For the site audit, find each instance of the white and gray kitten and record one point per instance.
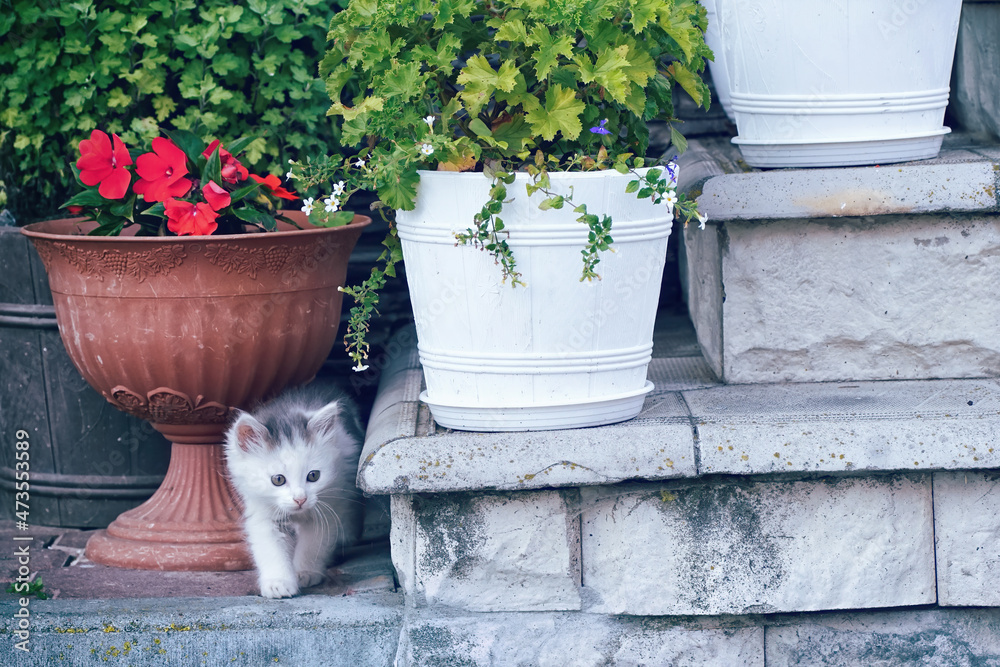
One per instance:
(293, 461)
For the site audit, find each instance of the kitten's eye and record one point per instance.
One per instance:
(312, 476)
(277, 480)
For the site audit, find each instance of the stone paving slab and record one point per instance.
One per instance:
(67, 574)
(966, 526)
(577, 640)
(848, 427)
(932, 637)
(692, 426)
(963, 178)
(341, 631)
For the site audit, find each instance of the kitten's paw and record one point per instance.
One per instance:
(278, 588)
(307, 579)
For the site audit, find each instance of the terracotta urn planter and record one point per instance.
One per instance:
(179, 331)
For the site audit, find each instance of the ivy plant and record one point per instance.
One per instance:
(213, 67)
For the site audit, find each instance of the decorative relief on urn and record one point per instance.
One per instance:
(135, 264)
(279, 260)
(167, 406)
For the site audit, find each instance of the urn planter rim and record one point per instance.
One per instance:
(39, 230)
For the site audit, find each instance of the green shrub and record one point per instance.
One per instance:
(218, 68)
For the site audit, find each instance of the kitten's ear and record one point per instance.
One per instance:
(249, 433)
(325, 419)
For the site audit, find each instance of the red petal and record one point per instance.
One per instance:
(116, 185)
(122, 157)
(93, 176)
(150, 166)
(101, 144)
(216, 196)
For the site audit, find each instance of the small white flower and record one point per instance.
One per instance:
(670, 199)
(290, 161)
(332, 204)
(338, 189)
(359, 163)
(289, 175)
(430, 121)
(307, 205)
(359, 368)
(702, 219)
(426, 149)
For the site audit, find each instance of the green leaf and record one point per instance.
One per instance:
(242, 193)
(480, 80)
(678, 25)
(338, 219)
(188, 142)
(255, 217)
(549, 49)
(89, 197)
(608, 71)
(561, 113)
(632, 186)
(690, 82)
(396, 185)
(678, 140)
(237, 147)
(479, 128)
(514, 133)
(512, 31)
(643, 11)
(107, 229)
(350, 113)
(213, 167)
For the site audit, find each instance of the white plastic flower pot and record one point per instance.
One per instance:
(557, 353)
(818, 83)
(720, 76)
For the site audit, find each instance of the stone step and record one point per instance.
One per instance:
(856, 273)
(311, 630)
(717, 500)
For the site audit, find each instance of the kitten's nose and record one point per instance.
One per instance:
(300, 502)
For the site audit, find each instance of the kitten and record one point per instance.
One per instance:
(293, 461)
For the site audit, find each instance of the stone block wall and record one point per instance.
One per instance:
(894, 569)
(866, 273)
(709, 548)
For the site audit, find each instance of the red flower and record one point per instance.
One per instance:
(232, 170)
(105, 163)
(216, 196)
(273, 183)
(161, 173)
(183, 218)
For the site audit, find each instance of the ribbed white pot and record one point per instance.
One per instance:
(558, 353)
(819, 83)
(720, 76)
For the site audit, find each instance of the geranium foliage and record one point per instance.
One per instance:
(501, 79)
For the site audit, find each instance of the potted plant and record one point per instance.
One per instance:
(516, 129)
(831, 84)
(184, 292)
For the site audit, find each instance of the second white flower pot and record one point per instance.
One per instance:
(558, 353)
(817, 83)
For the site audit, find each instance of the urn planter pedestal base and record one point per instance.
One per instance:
(192, 522)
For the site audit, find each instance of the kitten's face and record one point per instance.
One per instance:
(286, 471)
(291, 476)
